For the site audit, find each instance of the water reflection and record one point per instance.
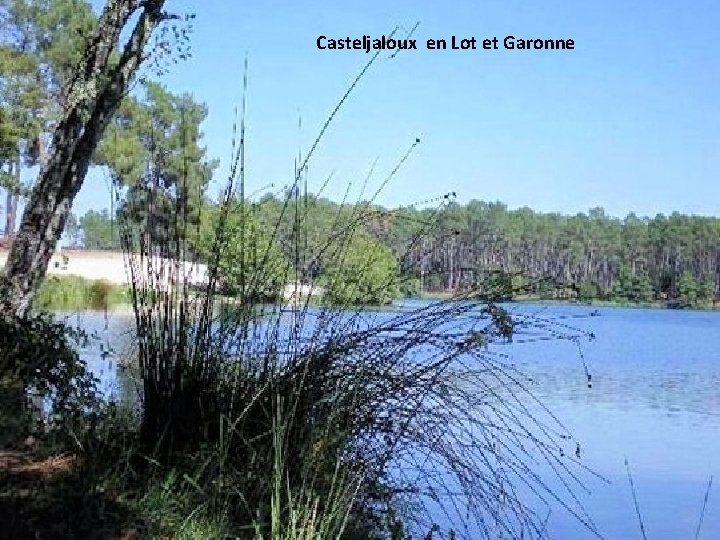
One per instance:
(655, 399)
(111, 345)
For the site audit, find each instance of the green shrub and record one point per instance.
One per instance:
(100, 294)
(38, 357)
(361, 271)
(706, 290)
(76, 293)
(409, 287)
(687, 289)
(589, 291)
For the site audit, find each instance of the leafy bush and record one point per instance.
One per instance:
(706, 290)
(409, 287)
(100, 294)
(632, 287)
(589, 291)
(249, 261)
(38, 358)
(687, 289)
(360, 272)
(74, 293)
(500, 285)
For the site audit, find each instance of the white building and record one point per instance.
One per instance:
(297, 292)
(112, 266)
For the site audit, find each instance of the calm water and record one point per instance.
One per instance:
(655, 400)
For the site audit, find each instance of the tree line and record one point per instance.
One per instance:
(587, 256)
(635, 259)
(66, 72)
(149, 140)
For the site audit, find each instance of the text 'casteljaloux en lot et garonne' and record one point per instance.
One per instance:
(367, 43)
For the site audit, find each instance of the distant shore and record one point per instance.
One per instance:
(117, 299)
(529, 299)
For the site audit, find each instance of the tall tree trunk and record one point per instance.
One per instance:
(9, 198)
(91, 99)
(12, 209)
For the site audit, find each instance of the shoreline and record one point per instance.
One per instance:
(582, 303)
(126, 307)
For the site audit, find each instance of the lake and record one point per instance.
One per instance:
(655, 400)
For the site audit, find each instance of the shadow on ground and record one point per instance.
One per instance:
(46, 498)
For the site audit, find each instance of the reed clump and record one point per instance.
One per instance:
(307, 421)
(313, 421)
(77, 293)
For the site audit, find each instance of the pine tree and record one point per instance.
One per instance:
(687, 289)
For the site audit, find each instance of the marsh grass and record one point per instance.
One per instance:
(77, 293)
(309, 421)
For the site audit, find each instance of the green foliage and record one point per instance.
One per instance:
(409, 287)
(38, 355)
(706, 290)
(9, 135)
(53, 32)
(687, 289)
(545, 289)
(308, 234)
(500, 285)
(40, 43)
(250, 263)
(559, 256)
(154, 148)
(589, 291)
(101, 294)
(361, 272)
(555, 252)
(99, 230)
(630, 287)
(642, 289)
(622, 288)
(75, 293)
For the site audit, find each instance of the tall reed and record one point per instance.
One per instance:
(308, 421)
(77, 293)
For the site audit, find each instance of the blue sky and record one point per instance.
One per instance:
(629, 120)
